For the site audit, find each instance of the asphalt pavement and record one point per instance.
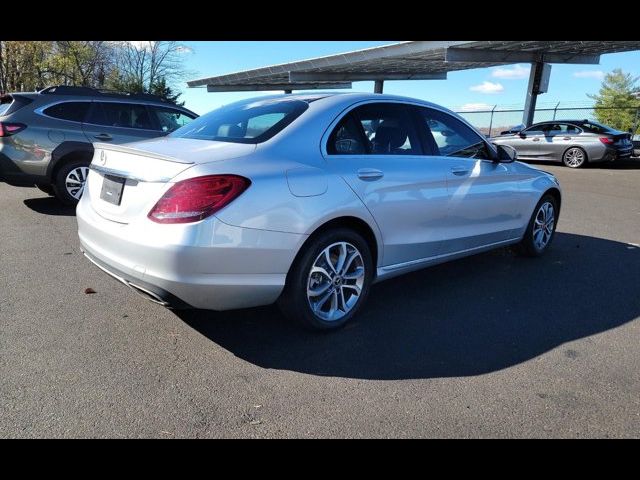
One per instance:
(490, 346)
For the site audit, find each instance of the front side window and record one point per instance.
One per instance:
(252, 122)
(71, 111)
(451, 137)
(535, 130)
(123, 115)
(170, 119)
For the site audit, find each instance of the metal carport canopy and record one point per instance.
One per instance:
(424, 60)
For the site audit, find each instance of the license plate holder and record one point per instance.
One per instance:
(112, 189)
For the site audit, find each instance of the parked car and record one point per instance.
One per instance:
(288, 199)
(572, 142)
(636, 145)
(46, 137)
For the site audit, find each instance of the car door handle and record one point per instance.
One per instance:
(460, 171)
(103, 136)
(535, 139)
(566, 138)
(370, 174)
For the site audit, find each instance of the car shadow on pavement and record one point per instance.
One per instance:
(628, 164)
(472, 316)
(49, 206)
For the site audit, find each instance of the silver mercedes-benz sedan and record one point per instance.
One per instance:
(306, 200)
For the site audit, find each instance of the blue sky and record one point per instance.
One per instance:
(504, 85)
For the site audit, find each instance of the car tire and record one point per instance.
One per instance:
(333, 273)
(69, 181)
(541, 228)
(575, 157)
(48, 189)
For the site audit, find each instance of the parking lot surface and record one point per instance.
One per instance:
(489, 346)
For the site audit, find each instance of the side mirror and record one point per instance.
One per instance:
(506, 154)
(522, 135)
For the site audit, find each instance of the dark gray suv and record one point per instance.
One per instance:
(46, 137)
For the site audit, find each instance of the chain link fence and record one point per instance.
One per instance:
(491, 120)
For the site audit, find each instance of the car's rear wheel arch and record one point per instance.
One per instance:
(68, 152)
(578, 147)
(352, 223)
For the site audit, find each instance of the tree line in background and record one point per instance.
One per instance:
(135, 67)
(156, 68)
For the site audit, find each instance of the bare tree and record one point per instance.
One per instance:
(143, 64)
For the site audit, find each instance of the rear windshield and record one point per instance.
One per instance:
(5, 103)
(597, 128)
(253, 122)
(12, 103)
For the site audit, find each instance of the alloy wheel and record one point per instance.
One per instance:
(543, 225)
(75, 180)
(335, 281)
(574, 157)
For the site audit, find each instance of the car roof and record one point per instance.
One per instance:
(141, 99)
(340, 97)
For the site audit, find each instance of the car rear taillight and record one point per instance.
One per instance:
(197, 198)
(606, 140)
(8, 129)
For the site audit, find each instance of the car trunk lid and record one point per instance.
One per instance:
(125, 181)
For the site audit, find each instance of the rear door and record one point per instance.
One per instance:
(120, 122)
(377, 151)
(557, 138)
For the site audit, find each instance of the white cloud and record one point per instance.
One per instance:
(597, 74)
(140, 44)
(511, 73)
(487, 87)
(471, 107)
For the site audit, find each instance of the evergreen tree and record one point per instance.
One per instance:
(616, 104)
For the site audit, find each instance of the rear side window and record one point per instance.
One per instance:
(452, 138)
(71, 111)
(170, 119)
(347, 138)
(388, 129)
(375, 129)
(123, 115)
(560, 128)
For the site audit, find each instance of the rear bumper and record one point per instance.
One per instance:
(612, 154)
(208, 265)
(10, 173)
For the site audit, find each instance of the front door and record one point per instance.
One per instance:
(482, 207)
(528, 142)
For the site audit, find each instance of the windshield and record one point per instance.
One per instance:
(253, 122)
